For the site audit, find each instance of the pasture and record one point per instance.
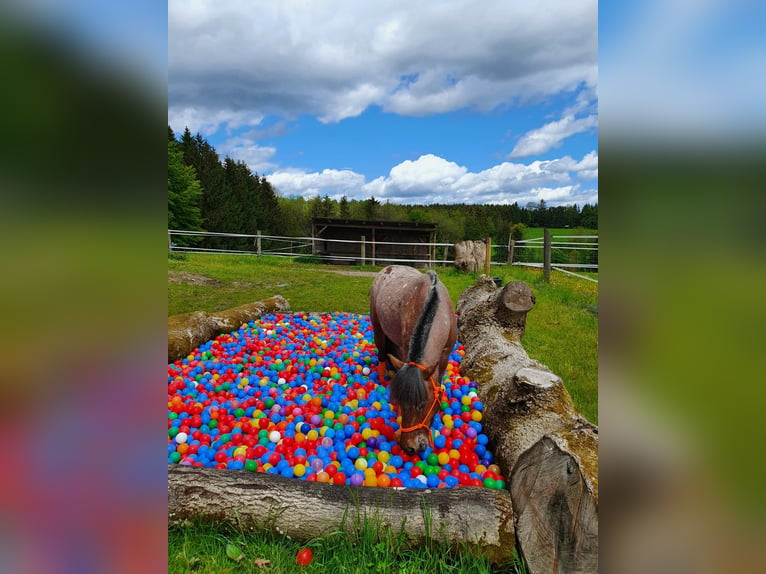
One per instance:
(561, 333)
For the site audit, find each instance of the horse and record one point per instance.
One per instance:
(414, 326)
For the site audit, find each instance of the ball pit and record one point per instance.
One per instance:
(298, 395)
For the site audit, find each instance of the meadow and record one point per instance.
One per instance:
(562, 333)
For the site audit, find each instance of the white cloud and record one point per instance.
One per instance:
(334, 59)
(332, 182)
(256, 157)
(432, 179)
(540, 140)
(207, 121)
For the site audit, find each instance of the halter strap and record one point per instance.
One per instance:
(437, 395)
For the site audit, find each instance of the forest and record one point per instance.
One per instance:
(207, 193)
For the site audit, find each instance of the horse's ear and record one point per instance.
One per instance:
(428, 371)
(395, 362)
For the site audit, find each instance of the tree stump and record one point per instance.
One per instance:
(528, 411)
(479, 517)
(189, 330)
(470, 255)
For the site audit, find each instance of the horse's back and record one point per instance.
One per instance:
(396, 304)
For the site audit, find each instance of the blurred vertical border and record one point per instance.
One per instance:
(682, 185)
(83, 294)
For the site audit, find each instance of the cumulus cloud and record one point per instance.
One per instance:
(332, 182)
(335, 59)
(256, 157)
(432, 179)
(549, 136)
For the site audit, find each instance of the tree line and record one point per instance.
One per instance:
(210, 194)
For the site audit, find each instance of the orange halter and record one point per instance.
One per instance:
(437, 395)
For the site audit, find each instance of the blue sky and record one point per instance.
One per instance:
(448, 102)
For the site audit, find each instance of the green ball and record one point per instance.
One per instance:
(490, 483)
(213, 423)
(172, 431)
(433, 459)
(172, 416)
(251, 465)
(175, 456)
(239, 413)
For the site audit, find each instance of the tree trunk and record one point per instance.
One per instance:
(527, 410)
(190, 330)
(479, 517)
(470, 255)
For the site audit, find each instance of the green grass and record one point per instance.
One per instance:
(562, 329)
(535, 232)
(201, 548)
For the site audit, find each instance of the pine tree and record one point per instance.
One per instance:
(184, 196)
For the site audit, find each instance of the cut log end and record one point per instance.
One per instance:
(556, 505)
(537, 378)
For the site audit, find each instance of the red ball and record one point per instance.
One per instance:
(304, 557)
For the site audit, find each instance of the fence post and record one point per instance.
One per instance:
(446, 254)
(258, 242)
(363, 256)
(547, 255)
(170, 243)
(511, 248)
(487, 256)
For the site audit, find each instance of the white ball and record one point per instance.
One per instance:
(182, 437)
(281, 381)
(366, 371)
(422, 478)
(274, 436)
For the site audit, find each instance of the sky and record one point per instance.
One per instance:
(412, 103)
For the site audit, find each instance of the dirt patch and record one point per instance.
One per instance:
(192, 279)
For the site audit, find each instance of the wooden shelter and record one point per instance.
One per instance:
(373, 242)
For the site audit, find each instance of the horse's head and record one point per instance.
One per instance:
(413, 391)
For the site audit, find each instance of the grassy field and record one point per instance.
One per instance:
(562, 329)
(535, 232)
(363, 549)
(562, 333)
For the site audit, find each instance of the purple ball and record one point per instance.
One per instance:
(357, 479)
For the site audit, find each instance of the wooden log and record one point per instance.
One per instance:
(189, 330)
(478, 517)
(540, 440)
(554, 487)
(470, 255)
(523, 399)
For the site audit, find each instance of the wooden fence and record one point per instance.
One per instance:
(558, 252)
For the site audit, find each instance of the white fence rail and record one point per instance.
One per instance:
(562, 250)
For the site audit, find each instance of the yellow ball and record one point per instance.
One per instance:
(299, 470)
(384, 456)
(476, 415)
(361, 463)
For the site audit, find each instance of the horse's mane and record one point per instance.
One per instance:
(407, 387)
(423, 326)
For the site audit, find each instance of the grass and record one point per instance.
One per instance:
(562, 332)
(562, 329)
(201, 548)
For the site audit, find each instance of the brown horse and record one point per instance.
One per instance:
(414, 326)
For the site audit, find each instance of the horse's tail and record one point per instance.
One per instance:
(423, 326)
